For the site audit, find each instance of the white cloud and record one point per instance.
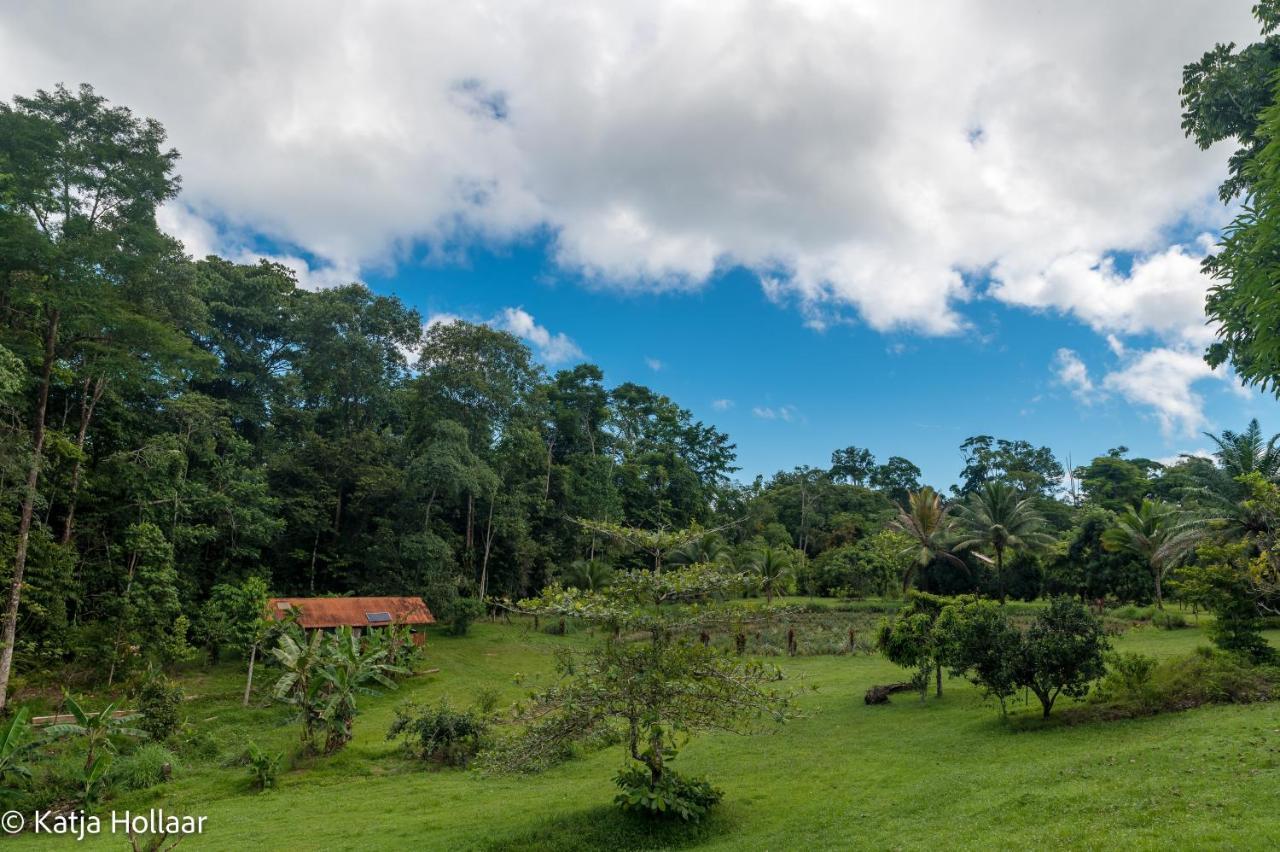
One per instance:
(786, 413)
(1162, 379)
(654, 364)
(442, 318)
(1177, 458)
(1161, 294)
(1073, 374)
(201, 239)
(552, 348)
(864, 159)
(722, 404)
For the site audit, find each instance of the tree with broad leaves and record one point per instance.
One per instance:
(647, 674)
(80, 182)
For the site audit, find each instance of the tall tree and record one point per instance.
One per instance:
(79, 185)
(1157, 533)
(997, 518)
(930, 527)
(852, 464)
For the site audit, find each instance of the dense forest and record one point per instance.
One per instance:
(182, 438)
(173, 427)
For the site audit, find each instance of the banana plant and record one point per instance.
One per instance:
(350, 670)
(99, 730)
(16, 742)
(300, 657)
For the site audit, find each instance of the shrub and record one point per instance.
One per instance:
(487, 700)
(672, 796)
(158, 702)
(1213, 677)
(1128, 679)
(440, 733)
(263, 766)
(1168, 620)
(150, 764)
(462, 612)
(1137, 685)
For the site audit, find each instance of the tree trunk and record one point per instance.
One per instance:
(28, 509)
(1000, 572)
(88, 403)
(1159, 591)
(939, 680)
(315, 547)
(488, 545)
(248, 684)
(546, 489)
(128, 588)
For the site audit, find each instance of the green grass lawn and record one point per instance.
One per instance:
(906, 775)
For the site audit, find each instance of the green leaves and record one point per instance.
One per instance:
(324, 675)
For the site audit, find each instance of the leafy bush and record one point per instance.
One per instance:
(1137, 686)
(672, 796)
(1168, 620)
(263, 766)
(440, 733)
(1214, 677)
(197, 743)
(150, 764)
(158, 702)
(1128, 679)
(462, 612)
(487, 699)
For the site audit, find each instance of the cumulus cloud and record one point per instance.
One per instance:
(1160, 294)
(1162, 379)
(1072, 373)
(653, 364)
(1178, 458)
(722, 404)
(553, 349)
(981, 156)
(986, 138)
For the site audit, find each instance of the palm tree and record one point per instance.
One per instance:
(1245, 452)
(1157, 533)
(929, 524)
(707, 549)
(998, 519)
(772, 566)
(589, 575)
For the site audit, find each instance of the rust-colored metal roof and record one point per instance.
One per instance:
(353, 612)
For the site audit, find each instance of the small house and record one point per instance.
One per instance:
(358, 613)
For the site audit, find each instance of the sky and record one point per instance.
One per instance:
(888, 223)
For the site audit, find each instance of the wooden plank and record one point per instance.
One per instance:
(67, 718)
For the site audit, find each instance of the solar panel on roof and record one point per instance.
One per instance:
(378, 617)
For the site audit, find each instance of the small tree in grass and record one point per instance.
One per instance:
(974, 638)
(651, 678)
(1062, 652)
(238, 614)
(908, 639)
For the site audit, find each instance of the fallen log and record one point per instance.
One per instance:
(879, 694)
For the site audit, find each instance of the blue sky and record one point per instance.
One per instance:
(738, 360)
(851, 222)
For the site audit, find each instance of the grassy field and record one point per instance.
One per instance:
(902, 776)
